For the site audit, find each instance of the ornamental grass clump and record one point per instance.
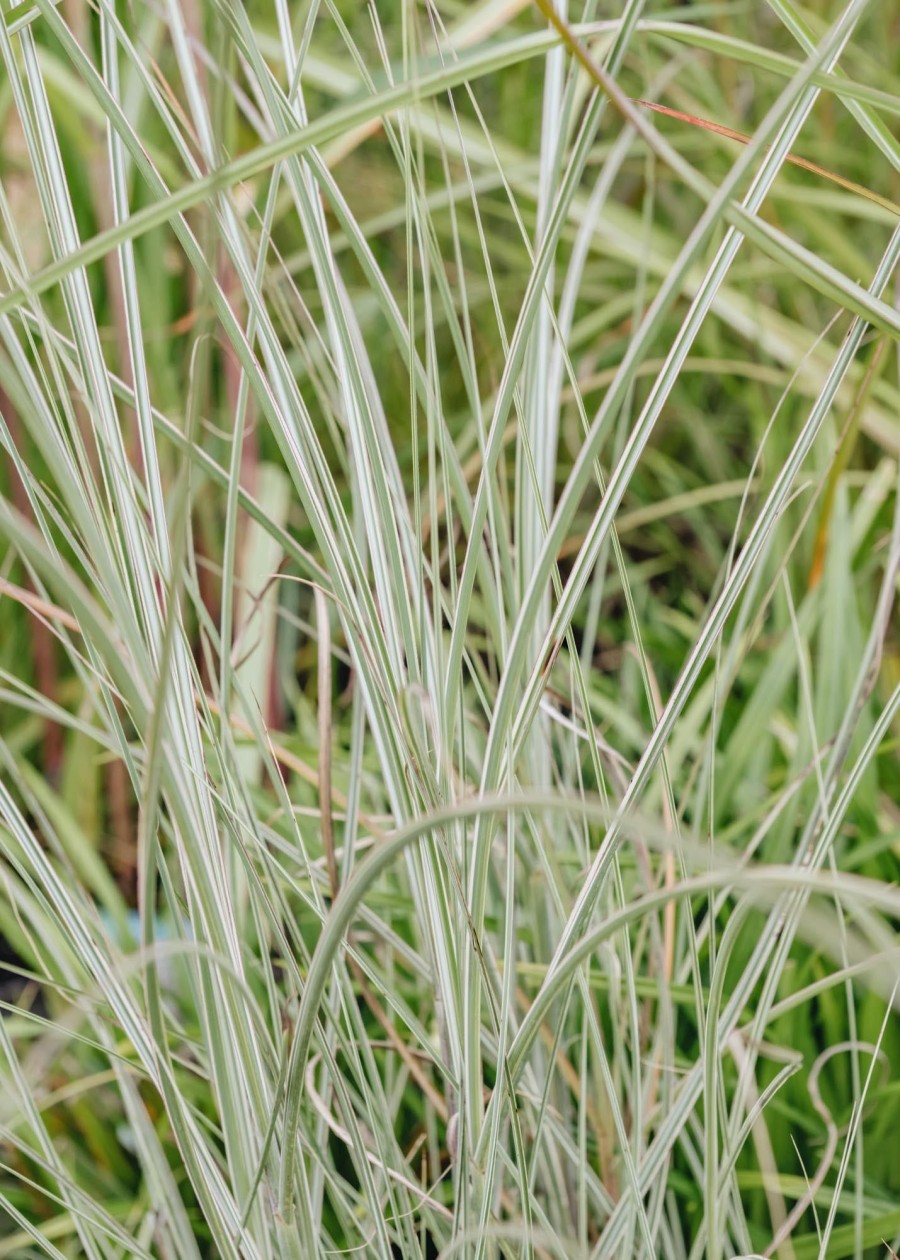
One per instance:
(449, 540)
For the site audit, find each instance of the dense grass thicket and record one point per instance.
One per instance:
(449, 671)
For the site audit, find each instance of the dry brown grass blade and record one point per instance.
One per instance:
(622, 104)
(841, 459)
(795, 160)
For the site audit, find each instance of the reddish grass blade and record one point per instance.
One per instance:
(795, 160)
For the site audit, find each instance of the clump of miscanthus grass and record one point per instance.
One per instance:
(449, 540)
